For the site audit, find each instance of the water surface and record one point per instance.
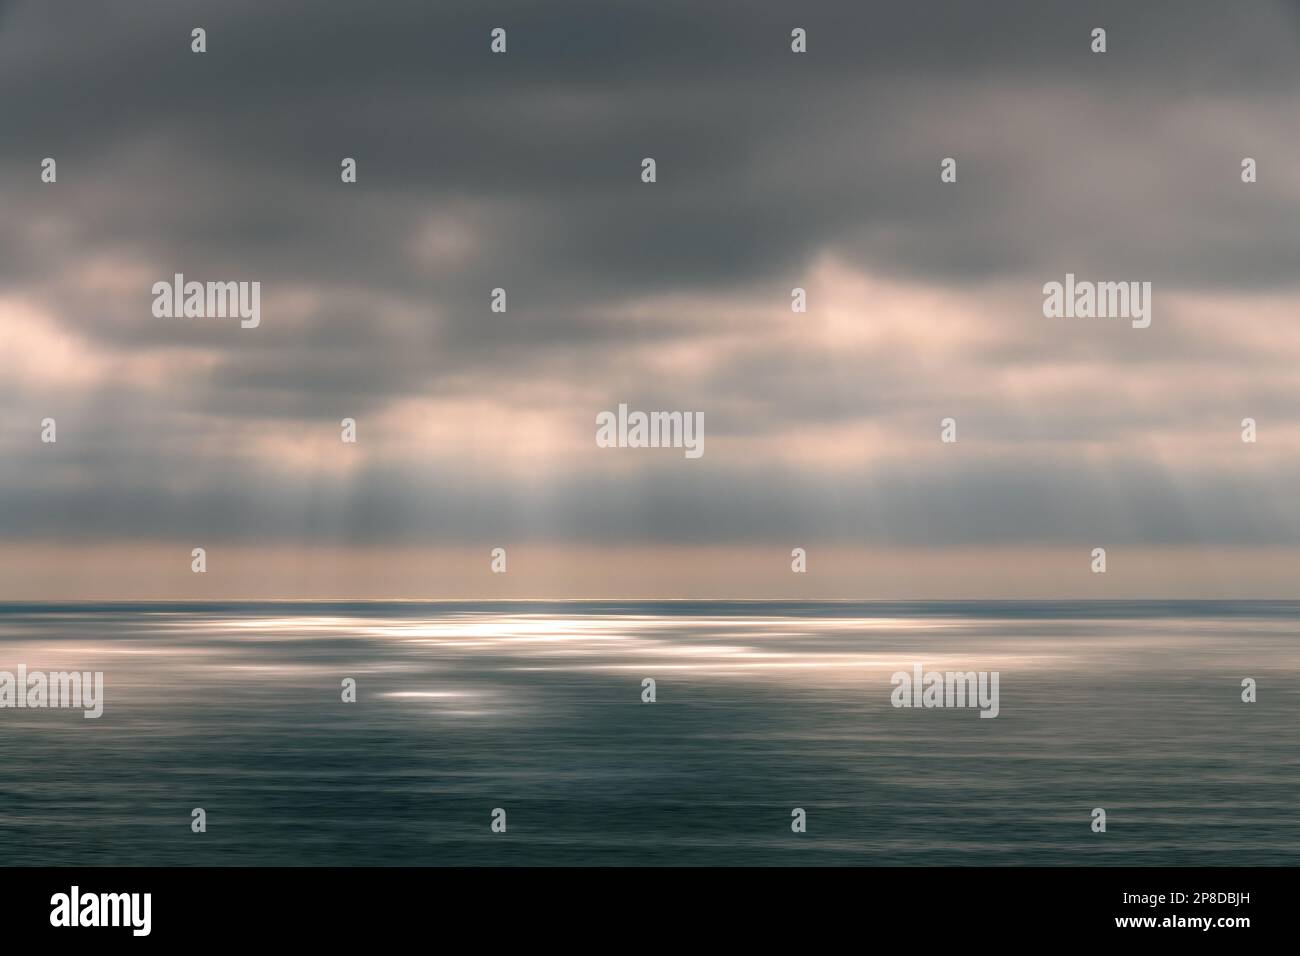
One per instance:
(761, 707)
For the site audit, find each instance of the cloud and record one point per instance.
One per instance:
(775, 171)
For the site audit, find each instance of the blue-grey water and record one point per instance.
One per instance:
(761, 707)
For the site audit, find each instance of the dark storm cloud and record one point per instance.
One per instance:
(523, 172)
(765, 157)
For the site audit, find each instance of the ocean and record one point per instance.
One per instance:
(760, 709)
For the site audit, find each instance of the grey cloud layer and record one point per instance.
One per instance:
(521, 171)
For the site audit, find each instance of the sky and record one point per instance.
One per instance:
(774, 170)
